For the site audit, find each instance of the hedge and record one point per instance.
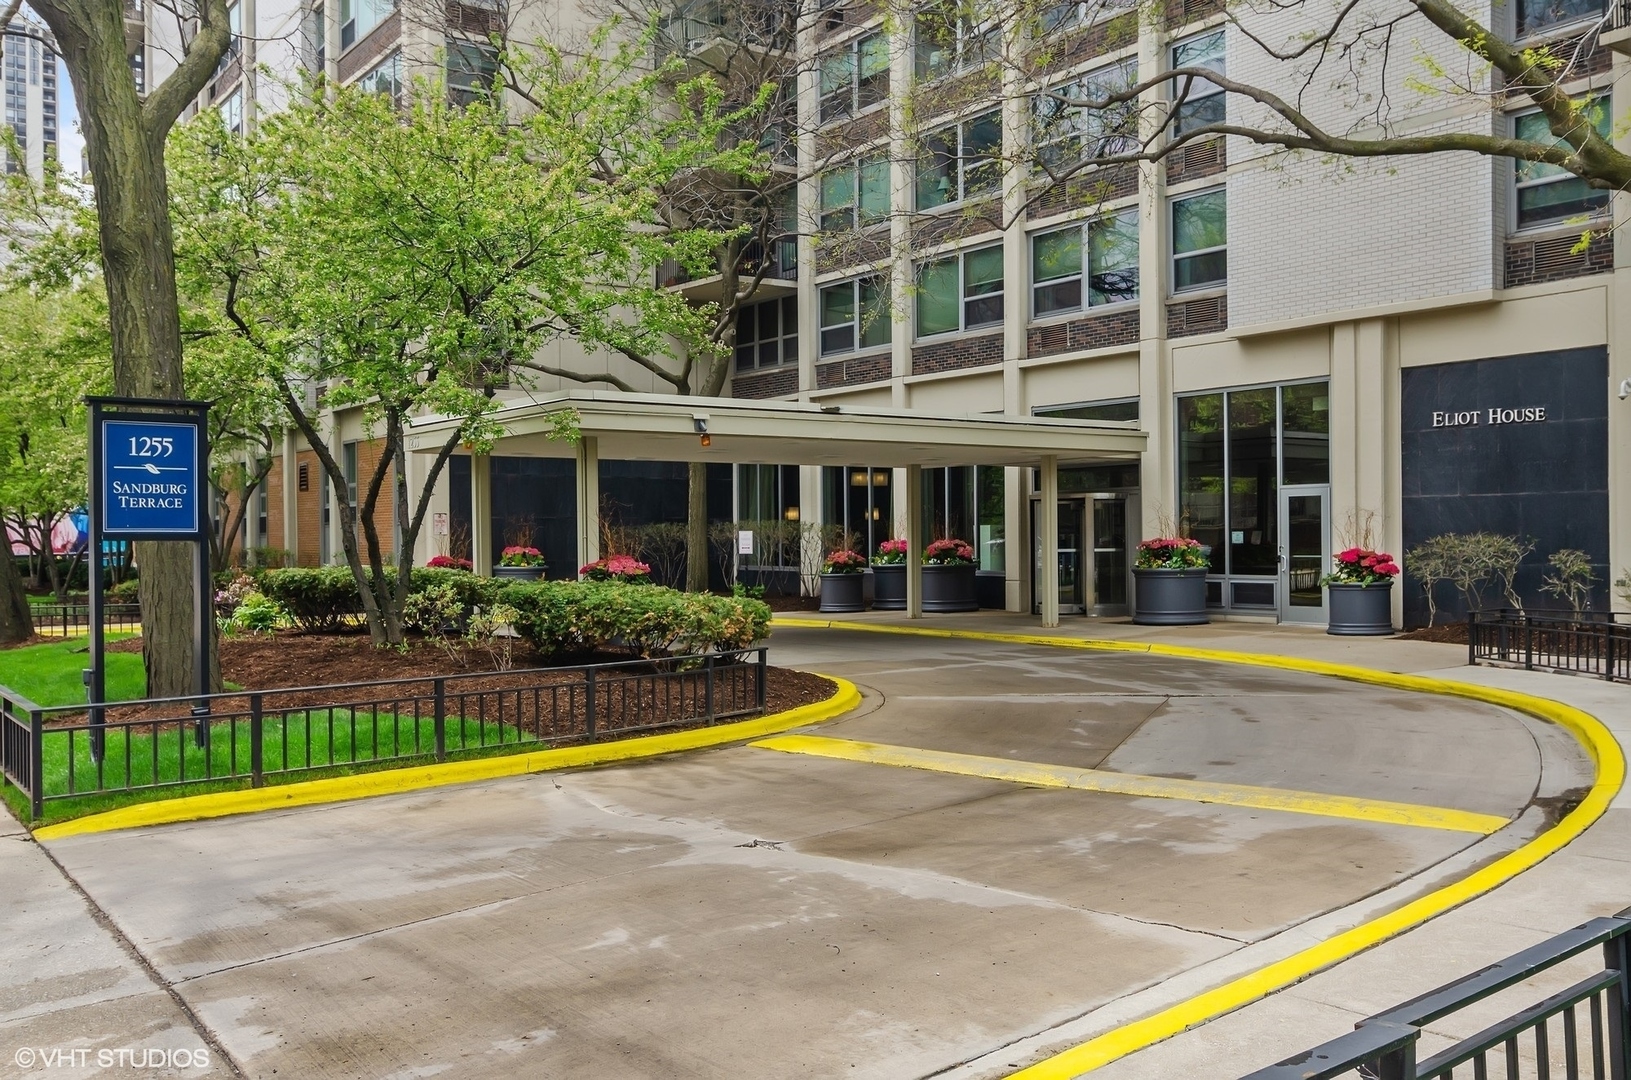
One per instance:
(575, 618)
(324, 599)
(558, 618)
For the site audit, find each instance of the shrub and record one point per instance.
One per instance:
(624, 568)
(575, 618)
(126, 592)
(949, 552)
(447, 562)
(890, 553)
(1571, 578)
(257, 614)
(320, 599)
(844, 562)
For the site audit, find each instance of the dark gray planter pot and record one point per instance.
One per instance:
(519, 573)
(949, 588)
(889, 588)
(1164, 597)
(843, 592)
(1359, 610)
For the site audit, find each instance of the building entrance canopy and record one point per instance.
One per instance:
(660, 427)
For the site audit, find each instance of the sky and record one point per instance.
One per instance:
(70, 143)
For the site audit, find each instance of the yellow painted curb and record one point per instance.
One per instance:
(396, 781)
(1041, 774)
(1598, 742)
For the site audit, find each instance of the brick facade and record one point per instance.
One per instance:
(1205, 315)
(1553, 258)
(1095, 332)
(380, 41)
(840, 251)
(274, 506)
(1197, 160)
(958, 354)
(780, 382)
(1181, 12)
(368, 459)
(308, 509)
(1090, 188)
(843, 15)
(853, 371)
(955, 225)
(1080, 46)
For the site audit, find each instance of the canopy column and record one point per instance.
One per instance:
(914, 541)
(481, 514)
(1048, 573)
(588, 488)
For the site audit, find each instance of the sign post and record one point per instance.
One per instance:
(148, 482)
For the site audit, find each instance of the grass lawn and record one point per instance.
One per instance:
(50, 674)
(331, 742)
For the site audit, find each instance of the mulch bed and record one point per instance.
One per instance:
(288, 660)
(1449, 634)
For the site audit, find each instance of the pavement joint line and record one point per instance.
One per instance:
(1593, 736)
(1074, 778)
(846, 696)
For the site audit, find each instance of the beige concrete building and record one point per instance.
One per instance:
(1424, 345)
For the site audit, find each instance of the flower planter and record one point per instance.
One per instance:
(889, 587)
(949, 588)
(1163, 597)
(1360, 610)
(519, 573)
(843, 592)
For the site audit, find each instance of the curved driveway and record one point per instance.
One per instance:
(752, 913)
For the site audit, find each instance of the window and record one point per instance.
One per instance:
(960, 162)
(232, 112)
(348, 465)
(385, 78)
(1200, 238)
(855, 315)
(767, 334)
(317, 38)
(1066, 134)
(1536, 16)
(767, 504)
(471, 70)
(950, 40)
(855, 77)
(1546, 193)
(358, 17)
(856, 498)
(1197, 102)
(960, 292)
(1235, 449)
(1111, 245)
(855, 195)
(966, 502)
(1120, 409)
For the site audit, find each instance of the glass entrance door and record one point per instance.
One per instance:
(1110, 555)
(1305, 551)
(1073, 552)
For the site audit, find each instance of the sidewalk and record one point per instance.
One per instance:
(1588, 879)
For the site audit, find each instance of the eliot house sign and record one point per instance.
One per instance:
(1534, 414)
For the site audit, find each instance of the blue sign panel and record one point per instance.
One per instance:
(151, 483)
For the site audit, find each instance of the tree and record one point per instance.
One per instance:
(125, 135)
(1333, 86)
(481, 233)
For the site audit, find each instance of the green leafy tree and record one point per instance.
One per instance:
(125, 132)
(405, 256)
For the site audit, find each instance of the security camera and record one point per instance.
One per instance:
(1625, 389)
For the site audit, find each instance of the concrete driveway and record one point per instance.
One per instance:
(750, 912)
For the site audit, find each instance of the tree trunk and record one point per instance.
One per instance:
(124, 142)
(16, 623)
(696, 530)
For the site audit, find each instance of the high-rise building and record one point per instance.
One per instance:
(29, 69)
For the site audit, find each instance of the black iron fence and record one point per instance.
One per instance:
(73, 751)
(1578, 1032)
(73, 620)
(1590, 643)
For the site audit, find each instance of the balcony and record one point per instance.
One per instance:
(705, 33)
(1616, 33)
(781, 276)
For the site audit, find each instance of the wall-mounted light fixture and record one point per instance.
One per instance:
(699, 421)
(1625, 389)
(791, 513)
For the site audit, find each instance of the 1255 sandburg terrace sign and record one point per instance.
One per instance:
(150, 482)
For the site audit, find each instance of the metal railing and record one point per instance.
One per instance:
(71, 620)
(1591, 643)
(72, 751)
(1546, 1040)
